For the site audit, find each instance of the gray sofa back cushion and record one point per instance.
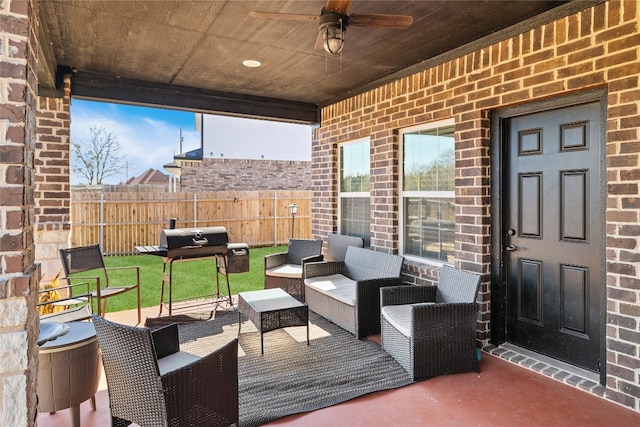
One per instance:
(456, 286)
(337, 245)
(367, 264)
(302, 248)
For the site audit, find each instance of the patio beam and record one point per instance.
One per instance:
(93, 86)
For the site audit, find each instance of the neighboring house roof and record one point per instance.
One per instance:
(150, 176)
(189, 155)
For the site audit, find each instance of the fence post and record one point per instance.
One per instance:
(275, 218)
(101, 238)
(195, 210)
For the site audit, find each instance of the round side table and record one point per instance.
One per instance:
(69, 371)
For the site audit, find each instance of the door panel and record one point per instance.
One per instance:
(553, 257)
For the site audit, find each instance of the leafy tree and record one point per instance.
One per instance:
(98, 156)
(438, 175)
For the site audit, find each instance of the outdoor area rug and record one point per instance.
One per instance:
(291, 377)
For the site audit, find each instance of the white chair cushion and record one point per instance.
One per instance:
(336, 286)
(175, 361)
(290, 271)
(399, 316)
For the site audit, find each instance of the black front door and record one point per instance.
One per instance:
(554, 231)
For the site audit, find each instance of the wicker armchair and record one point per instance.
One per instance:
(152, 383)
(284, 269)
(431, 330)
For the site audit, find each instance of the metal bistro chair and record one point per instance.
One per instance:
(68, 303)
(431, 330)
(89, 259)
(154, 384)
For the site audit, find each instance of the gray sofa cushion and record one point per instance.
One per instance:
(335, 286)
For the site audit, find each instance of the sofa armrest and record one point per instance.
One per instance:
(315, 269)
(407, 294)
(165, 340)
(368, 303)
(274, 260)
(313, 258)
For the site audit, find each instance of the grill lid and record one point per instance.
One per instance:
(194, 237)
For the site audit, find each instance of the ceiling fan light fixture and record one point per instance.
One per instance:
(332, 27)
(333, 39)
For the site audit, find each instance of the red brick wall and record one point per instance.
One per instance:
(595, 48)
(52, 184)
(53, 172)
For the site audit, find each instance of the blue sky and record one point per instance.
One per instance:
(148, 137)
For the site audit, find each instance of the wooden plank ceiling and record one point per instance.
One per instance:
(189, 54)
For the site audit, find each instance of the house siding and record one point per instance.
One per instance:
(596, 48)
(245, 175)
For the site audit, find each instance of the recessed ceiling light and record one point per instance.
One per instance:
(251, 63)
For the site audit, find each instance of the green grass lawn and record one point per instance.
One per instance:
(190, 278)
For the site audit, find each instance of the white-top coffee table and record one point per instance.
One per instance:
(272, 309)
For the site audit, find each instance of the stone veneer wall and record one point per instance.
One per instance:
(19, 274)
(242, 175)
(598, 47)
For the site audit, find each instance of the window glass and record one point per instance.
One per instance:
(355, 209)
(354, 167)
(355, 217)
(428, 158)
(428, 185)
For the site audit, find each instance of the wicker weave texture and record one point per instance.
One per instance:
(300, 251)
(443, 335)
(371, 271)
(341, 314)
(202, 393)
(292, 286)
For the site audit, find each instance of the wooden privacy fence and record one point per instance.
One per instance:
(121, 221)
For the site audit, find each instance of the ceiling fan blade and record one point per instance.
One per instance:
(339, 6)
(388, 21)
(286, 16)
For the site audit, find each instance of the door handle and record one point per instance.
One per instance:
(511, 248)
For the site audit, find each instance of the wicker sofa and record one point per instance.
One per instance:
(348, 292)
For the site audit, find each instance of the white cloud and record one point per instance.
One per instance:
(145, 141)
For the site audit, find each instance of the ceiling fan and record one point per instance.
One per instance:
(334, 19)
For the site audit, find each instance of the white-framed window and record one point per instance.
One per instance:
(353, 195)
(427, 192)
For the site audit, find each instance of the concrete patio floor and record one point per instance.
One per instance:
(502, 394)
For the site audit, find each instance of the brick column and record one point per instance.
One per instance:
(19, 275)
(384, 190)
(52, 185)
